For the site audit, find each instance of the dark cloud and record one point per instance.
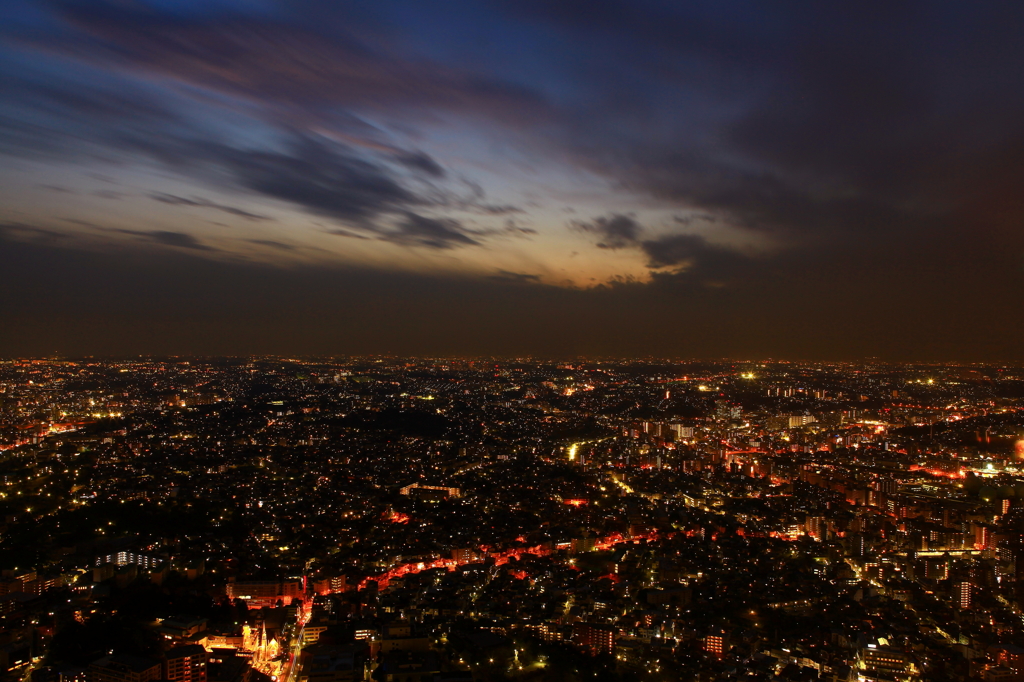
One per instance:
(84, 223)
(811, 124)
(356, 187)
(688, 220)
(324, 180)
(806, 123)
(206, 203)
(497, 209)
(319, 176)
(355, 184)
(434, 233)
(674, 250)
(58, 116)
(19, 231)
(510, 229)
(346, 233)
(328, 179)
(521, 277)
(421, 162)
(285, 63)
(476, 201)
(518, 230)
(179, 239)
(96, 103)
(280, 246)
(676, 254)
(692, 256)
(878, 150)
(616, 231)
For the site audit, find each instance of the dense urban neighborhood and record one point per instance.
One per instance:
(266, 519)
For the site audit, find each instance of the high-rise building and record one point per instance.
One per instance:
(259, 593)
(126, 558)
(716, 644)
(962, 594)
(681, 431)
(725, 410)
(186, 664)
(816, 526)
(123, 668)
(594, 637)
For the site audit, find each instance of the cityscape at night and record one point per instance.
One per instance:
(511, 341)
(385, 518)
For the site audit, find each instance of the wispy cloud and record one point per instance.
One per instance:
(199, 202)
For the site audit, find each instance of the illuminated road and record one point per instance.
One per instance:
(622, 484)
(293, 657)
(500, 558)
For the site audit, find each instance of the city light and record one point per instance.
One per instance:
(678, 531)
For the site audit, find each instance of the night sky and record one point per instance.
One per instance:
(798, 180)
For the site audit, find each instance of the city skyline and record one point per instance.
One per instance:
(617, 179)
